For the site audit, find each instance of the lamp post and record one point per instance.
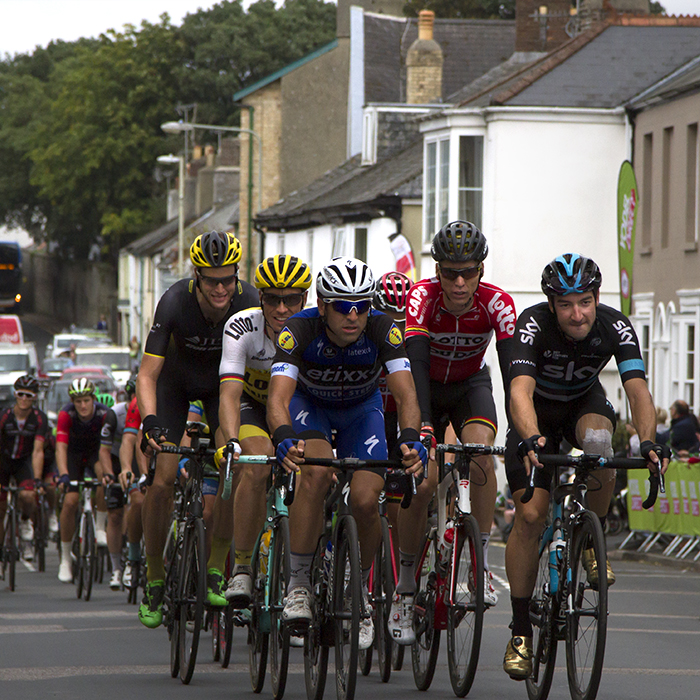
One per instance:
(180, 160)
(180, 127)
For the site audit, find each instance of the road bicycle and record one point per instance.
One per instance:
(84, 545)
(450, 576)
(336, 586)
(565, 605)
(11, 545)
(41, 529)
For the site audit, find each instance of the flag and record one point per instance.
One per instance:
(401, 249)
(627, 207)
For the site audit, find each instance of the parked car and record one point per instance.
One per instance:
(56, 395)
(53, 367)
(16, 359)
(116, 357)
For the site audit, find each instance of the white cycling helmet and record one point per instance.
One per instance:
(81, 387)
(345, 278)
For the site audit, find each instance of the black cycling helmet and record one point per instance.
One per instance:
(459, 241)
(215, 249)
(27, 383)
(570, 274)
(130, 387)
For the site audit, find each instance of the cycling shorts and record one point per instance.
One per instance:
(253, 419)
(21, 469)
(81, 465)
(557, 421)
(359, 429)
(115, 497)
(463, 402)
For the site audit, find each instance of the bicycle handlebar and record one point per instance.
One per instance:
(471, 449)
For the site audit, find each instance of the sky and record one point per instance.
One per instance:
(24, 24)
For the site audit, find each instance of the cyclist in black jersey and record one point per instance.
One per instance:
(560, 348)
(23, 429)
(180, 364)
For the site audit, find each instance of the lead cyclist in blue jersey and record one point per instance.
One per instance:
(325, 378)
(560, 348)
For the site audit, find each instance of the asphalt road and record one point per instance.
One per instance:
(53, 646)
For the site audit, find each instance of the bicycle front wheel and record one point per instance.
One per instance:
(279, 632)
(424, 651)
(315, 641)
(89, 557)
(347, 608)
(259, 626)
(193, 589)
(382, 591)
(544, 629)
(587, 618)
(41, 534)
(465, 612)
(12, 548)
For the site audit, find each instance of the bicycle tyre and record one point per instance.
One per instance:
(347, 607)
(90, 557)
(424, 651)
(40, 535)
(365, 659)
(315, 644)
(586, 621)
(225, 636)
(172, 610)
(79, 561)
(397, 654)
(543, 612)
(193, 590)
(465, 614)
(13, 550)
(258, 628)
(383, 590)
(278, 584)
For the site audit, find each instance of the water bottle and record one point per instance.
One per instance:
(446, 543)
(265, 550)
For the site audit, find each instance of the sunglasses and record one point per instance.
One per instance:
(346, 306)
(213, 282)
(466, 273)
(25, 395)
(274, 300)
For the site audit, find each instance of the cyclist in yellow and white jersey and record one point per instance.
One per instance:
(248, 349)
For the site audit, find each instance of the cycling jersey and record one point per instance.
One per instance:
(132, 422)
(113, 428)
(564, 369)
(17, 441)
(333, 376)
(82, 437)
(247, 353)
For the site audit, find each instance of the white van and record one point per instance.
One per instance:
(116, 357)
(16, 360)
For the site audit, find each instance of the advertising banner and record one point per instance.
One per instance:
(627, 201)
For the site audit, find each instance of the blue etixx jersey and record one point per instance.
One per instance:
(333, 376)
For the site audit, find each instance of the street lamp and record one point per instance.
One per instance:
(180, 160)
(181, 127)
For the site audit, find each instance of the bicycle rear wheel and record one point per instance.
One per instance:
(193, 589)
(225, 635)
(544, 631)
(41, 533)
(89, 557)
(587, 619)
(347, 608)
(465, 613)
(259, 626)
(315, 643)
(397, 653)
(279, 632)
(424, 651)
(11, 546)
(382, 591)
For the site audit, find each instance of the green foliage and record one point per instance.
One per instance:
(656, 8)
(463, 9)
(80, 122)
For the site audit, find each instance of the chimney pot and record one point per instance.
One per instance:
(426, 19)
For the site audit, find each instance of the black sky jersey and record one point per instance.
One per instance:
(16, 442)
(564, 369)
(182, 335)
(335, 376)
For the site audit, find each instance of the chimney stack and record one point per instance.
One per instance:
(424, 64)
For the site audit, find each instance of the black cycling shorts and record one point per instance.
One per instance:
(81, 465)
(21, 469)
(557, 421)
(253, 419)
(459, 403)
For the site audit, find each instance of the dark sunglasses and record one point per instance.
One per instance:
(346, 306)
(466, 273)
(213, 282)
(274, 300)
(25, 395)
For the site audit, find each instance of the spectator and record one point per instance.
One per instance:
(661, 427)
(683, 434)
(134, 350)
(102, 323)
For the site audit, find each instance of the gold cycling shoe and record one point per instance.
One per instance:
(591, 567)
(517, 662)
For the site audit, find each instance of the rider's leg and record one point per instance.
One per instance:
(594, 434)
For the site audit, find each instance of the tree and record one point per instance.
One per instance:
(463, 9)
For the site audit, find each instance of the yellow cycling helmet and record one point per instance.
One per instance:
(282, 272)
(215, 249)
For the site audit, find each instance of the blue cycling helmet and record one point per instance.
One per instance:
(570, 274)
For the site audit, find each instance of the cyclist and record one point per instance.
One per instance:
(450, 321)
(561, 347)
(78, 430)
(180, 364)
(111, 438)
(132, 464)
(246, 359)
(325, 377)
(23, 430)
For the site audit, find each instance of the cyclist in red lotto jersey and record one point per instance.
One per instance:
(450, 321)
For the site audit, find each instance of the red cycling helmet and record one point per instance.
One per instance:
(391, 292)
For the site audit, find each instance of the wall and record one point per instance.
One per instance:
(70, 291)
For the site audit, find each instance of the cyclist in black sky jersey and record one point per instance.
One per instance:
(560, 348)
(181, 364)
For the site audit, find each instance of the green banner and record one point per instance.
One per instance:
(677, 512)
(627, 201)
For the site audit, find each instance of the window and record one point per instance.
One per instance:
(361, 244)
(647, 190)
(338, 242)
(684, 362)
(644, 342)
(430, 171)
(280, 244)
(666, 186)
(437, 187)
(691, 188)
(309, 247)
(471, 167)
